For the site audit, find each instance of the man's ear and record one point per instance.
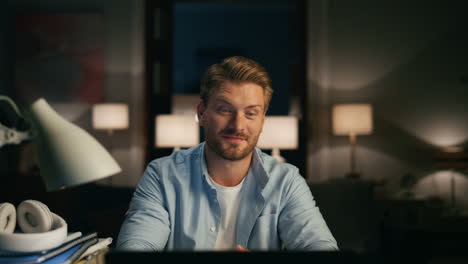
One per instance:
(201, 108)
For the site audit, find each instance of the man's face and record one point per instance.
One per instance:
(233, 119)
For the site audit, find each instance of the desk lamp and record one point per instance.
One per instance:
(176, 131)
(68, 155)
(352, 120)
(279, 132)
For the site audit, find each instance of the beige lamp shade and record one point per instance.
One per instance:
(279, 132)
(176, 131)
(68, 155)
(110, 116)
(352, 119)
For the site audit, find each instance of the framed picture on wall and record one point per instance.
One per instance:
(60, 57)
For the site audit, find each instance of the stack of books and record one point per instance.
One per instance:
(76, 248)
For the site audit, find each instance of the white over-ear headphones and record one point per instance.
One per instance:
(33, 217)
(41, 229)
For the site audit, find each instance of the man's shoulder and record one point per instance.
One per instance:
(180, 157)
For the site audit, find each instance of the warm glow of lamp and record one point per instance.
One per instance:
(176, 131)
(110, 116)
(279, 132)
(352, 120)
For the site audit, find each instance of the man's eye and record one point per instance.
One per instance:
(251, 114)
(224, 111)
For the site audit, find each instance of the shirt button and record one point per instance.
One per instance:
(212, 229)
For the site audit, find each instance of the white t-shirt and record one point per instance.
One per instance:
(229, 199)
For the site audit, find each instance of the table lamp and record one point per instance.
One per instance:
(68, 155)
(453, 159)
(110, 117)
(176, 131)
(279, 132)
(352, 120)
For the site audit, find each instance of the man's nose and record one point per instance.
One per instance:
(238, 122)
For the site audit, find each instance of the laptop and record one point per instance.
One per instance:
(263, 257)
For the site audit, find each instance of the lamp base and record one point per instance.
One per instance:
(353, 175)
(275, 153)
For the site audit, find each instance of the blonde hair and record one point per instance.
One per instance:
(236, 69)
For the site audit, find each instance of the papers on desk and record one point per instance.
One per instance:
(76, 247)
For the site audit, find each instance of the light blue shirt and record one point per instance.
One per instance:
(175, 207)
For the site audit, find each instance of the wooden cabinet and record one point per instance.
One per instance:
(350, 212)
(420, 228)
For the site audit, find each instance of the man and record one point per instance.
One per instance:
(224, 193)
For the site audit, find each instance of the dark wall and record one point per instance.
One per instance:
(5, 68)
(205, 33)
(270, 32)
(408, 59)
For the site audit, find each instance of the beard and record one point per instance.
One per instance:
(232, 151)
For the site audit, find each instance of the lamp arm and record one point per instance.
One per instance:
(12, 103)
(11, 135)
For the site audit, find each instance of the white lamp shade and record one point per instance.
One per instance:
(279, 132)
(176, 131)
(67, 154)
(110, 116)
(352, 119)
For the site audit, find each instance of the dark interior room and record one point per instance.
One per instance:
(396, 187)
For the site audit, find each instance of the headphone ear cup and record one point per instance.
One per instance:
(7, 218)
(34, 217)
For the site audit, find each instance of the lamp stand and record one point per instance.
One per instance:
(275, 153)
(352, 174)
(454, 210)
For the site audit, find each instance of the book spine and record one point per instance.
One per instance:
(66, 247)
